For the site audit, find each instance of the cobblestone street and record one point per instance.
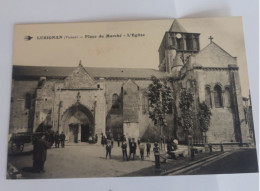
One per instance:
(64, 162)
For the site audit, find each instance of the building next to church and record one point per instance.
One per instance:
(84, 101)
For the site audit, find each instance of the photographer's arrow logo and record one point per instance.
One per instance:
(27, 38)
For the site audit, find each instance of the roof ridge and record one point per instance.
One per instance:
(223, 49)
(217, 46)
(85, 67)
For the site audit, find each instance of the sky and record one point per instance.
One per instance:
(89, 43)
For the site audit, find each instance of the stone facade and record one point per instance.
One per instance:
(83, 102)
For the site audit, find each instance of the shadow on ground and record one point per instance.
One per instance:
(21, 154)
(28, 169)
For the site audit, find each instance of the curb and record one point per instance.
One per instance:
(184, 167)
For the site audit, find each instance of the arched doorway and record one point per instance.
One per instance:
(78, 123)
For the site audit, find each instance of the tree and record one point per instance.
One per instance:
(187, 114)
(160, 99)
(204, 116)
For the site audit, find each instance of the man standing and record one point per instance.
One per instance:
(62, 139)
(57, 140)
(103, 140)
(118, 140)
(156, 151)
(123, 138)
(124, 150)
(141, 148)
(39, 154)
(132, 148)
(96, 138)
(148, 148)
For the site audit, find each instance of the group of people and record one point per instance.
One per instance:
(93, 139)
(59, 139)
(119, 139)
(132, 147)
(40, 148)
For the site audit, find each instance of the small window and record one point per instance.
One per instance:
(245, 113)
(98, 86)
(218, 96)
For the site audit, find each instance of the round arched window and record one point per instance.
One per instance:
(218, 96)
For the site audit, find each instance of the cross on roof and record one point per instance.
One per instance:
(211, 39)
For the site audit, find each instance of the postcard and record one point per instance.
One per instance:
(133, 98)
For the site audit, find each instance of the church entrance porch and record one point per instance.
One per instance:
(79, 132)
(78, 124)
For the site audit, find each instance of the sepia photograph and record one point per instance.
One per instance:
(130, 99)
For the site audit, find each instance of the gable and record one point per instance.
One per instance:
(79, 79)
(214, 56)
(131, 101)
(130, 84)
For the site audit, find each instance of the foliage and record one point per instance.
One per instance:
(204, 116)
(160, 99)
(187, 115)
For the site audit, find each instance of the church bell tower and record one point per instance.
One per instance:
(176, 45)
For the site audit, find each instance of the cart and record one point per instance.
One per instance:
(18, 140)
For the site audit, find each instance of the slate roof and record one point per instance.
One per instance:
(177, 27)
(95, 72)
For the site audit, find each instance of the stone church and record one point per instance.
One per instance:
(84, 101)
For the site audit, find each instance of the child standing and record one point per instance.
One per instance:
(108, 149)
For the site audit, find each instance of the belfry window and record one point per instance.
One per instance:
(189, 43)
(218, 96)
(208, 97)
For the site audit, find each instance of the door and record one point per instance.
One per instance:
(73, 134)
(85, 133)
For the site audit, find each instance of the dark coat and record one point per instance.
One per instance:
(148, 146)
(123, 138)
(108, 148)
(40, 150)
(133, 147)
(62, 137)
(124, 147)
(57, 138)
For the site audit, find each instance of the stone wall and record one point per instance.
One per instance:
(222, 124)
(19, 113)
